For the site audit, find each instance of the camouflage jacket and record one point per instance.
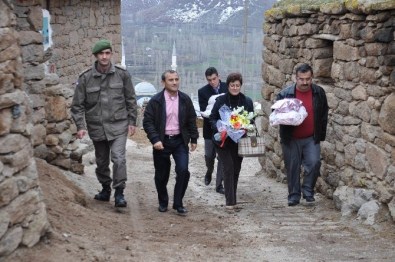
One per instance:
(104, 104)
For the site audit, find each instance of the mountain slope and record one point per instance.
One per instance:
(195, 11)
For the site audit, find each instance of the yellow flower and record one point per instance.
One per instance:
(241, 119)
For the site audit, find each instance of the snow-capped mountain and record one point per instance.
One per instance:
(194, 11)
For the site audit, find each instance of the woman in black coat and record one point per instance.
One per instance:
(229, 150)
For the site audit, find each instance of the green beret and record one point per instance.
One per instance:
(101, 45)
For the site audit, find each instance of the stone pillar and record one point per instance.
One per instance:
(23, 217)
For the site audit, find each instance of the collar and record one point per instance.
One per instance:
(313, 88)
(217, 87)
(97, 73)
(167, 95)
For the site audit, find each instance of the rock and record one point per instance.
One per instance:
(36, 228)
(51, 140)
(4, 222)
(349, 200)
(41, 151)
(8, 191)
(11, 241)
(22, 206)
(391, 207)
(377, 160)
(39, 133)
(368, 212)
(56, 109)
(27, 178)
(5, 121)
(387, 113)
(11, 99)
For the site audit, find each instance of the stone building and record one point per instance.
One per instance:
(44, 46)
(351, 47)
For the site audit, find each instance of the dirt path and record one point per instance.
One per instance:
(266, 229)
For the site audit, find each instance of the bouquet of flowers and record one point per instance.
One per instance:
(233, 123)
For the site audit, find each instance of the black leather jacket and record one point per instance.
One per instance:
(320, 107)
(154, 121)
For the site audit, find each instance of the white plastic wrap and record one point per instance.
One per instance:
(288, 111)
(210, 105)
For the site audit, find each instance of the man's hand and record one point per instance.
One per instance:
(132, 130)
(81, 133)
(193, 147)
(159, 146)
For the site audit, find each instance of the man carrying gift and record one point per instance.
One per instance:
(301, 144)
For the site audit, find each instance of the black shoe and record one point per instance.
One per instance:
(105, 194)
(309, 199)
(293, 202)
(119, 198)
(162, 208)
(207, 179)
(220, 190)
(182, 211)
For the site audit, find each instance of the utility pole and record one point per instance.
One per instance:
(243, 69)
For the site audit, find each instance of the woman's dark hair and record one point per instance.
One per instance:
(234, 77)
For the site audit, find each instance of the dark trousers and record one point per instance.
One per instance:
(210, 152)
(116, 149)
(231, 168)
(162, 163)
(297, 153)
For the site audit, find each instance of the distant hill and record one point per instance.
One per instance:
(205, 32)
(225, 12)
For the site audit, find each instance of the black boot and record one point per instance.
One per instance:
(104, 194)
(119, 198)
(210, 168)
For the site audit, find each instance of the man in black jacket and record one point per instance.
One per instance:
(301, 144)
(214, 87)
(170, 124)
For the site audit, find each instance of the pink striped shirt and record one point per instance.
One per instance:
(172, 124)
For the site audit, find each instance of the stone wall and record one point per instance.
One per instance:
(76, 25)
(23, 217)
(36, 89)
(352, 52)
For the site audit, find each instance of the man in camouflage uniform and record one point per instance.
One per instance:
(104, 105)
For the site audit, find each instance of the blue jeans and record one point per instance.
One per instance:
(180, 152)
(297, 153)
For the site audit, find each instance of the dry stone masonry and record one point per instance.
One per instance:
(351, 48)
(36, 89)
(75, 25)
(23, 217)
